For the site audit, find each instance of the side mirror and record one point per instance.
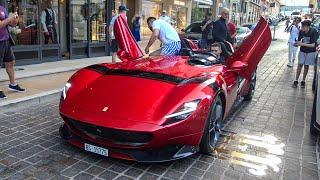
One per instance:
(238, 66)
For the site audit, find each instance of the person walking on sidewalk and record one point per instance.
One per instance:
(307, 41)
(293, 38)
(166, 34)
(113, 43)
(6, 53)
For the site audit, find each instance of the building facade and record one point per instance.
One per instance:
(79, 28)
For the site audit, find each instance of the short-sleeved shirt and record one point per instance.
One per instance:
(165, 18)
(4, 34)
(206, 31)
(294, 34)
(167, 33)
(309, 38)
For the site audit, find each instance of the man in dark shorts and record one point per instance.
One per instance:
(113, 43)
(6, 53)
(307, 55)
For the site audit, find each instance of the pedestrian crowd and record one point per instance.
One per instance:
(303, 38)
(216, 36)
(221, 31)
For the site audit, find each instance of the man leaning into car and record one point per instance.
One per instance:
(166, 34)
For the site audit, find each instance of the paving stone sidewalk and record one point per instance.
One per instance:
(267, 139)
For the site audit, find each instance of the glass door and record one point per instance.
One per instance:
(26, 31)
(98, 21)
(88, 28)
(79, 16)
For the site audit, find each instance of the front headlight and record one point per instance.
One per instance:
(65, 90)
(183, 112)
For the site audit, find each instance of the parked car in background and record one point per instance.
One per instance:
(242, 33)
(192, 32)
(251, 26)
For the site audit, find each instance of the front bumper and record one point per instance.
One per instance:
(167, 153)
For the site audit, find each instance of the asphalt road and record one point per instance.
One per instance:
(267, 138)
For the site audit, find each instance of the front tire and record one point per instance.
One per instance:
(252, 87)
(213, 127)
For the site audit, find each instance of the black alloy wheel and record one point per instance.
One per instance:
(213, 127)
(252, 87)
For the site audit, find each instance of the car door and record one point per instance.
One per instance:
(128, 46)
(253, 48)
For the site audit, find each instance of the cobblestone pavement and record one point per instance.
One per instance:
(268, 138)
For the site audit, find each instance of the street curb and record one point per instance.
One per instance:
(42, 74)
(30, 100)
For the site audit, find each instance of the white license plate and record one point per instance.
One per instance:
(96, 149)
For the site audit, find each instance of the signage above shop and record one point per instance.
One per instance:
(209, 2)
(180, 3)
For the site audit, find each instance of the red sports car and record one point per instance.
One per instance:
(158, 108)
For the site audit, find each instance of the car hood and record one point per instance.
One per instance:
(142, 90)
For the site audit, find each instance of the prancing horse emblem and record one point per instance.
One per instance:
(105, 109)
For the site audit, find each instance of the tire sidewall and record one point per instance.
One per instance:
(205, 146)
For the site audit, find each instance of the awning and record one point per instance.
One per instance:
(205, 1)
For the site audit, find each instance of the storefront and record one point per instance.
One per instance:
(200, 8)
(177, 10)
(51, 30)
(33, 43)
(87, 27)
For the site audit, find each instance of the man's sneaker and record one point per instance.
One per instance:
(16, 88)
(2, 95)
(295, 84)
(303, 84)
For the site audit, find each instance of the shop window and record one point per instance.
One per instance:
(149, 9)
(98, 20)
(79, 21)
(49, 22)
(26, 31)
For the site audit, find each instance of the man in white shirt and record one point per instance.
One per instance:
(165, 17)
(113, 43)
(49, 22)
(166, 34)
(294, 35)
